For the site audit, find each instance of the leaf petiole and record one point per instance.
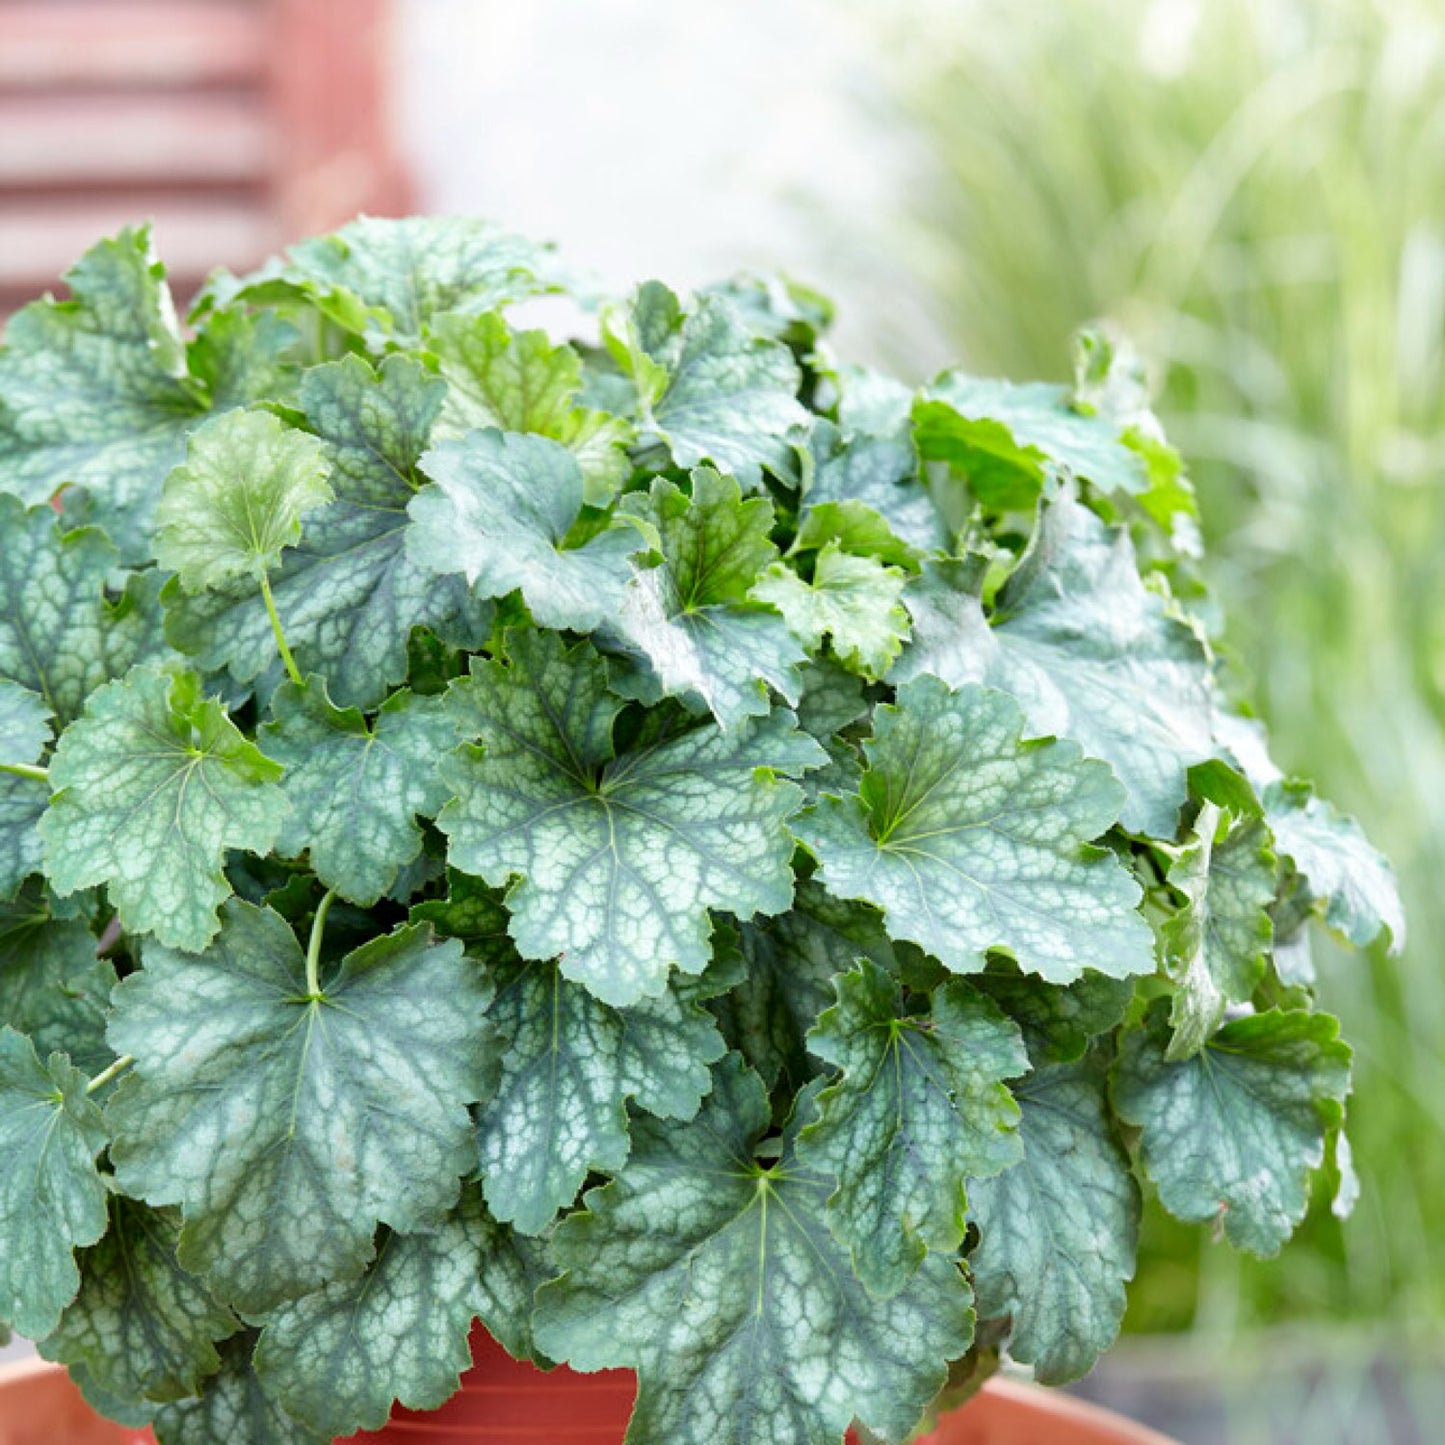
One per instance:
(25, 770)
(293, 671)
(106, 1075)
(313, 946)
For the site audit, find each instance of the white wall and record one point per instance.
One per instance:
(684, 139)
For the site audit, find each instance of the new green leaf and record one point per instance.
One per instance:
(618, 857)
(921, 1106)
(1058, 1231)
(52, 1197)
(347, 594)
(237, 500)
(1217, 946)
(852, 601)
(717, 1279)
(153, 785)
(1232, 1135)
(288, 1124)
(520, 382)
(690, 619)
(970, 838)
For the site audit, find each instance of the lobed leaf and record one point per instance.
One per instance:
(227, 512)
(289, 1124)
(1089, 652)
(347, 594)
(1232, 1134)
(921, 1106)
(500, 514)
(336, 1360)
(141, 1325)
(971, 839)
(718, 1280)
(693, 629)
(356, 788)
(153, 785)
(1058, 1231)
(617, 857)
(52, 1197)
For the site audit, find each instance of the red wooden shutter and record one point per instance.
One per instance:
(236, 125)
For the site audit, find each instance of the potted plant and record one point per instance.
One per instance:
(694, 854)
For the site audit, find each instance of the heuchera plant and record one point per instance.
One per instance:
(699, 855)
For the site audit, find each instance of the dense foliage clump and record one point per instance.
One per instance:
(703, 857)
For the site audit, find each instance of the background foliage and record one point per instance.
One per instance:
(1253, 188)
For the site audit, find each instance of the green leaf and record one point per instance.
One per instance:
(1090, 653)
(288, 1125)
(234, 1407)
(787, 981)
(24, 723)
(519, 382)
(971, 839)
(707, 387)
(1058, 1231)
(356, 788)
(347, 595)
(851, 600)
(569, 1066)
(237, 500)
(1058, 1021)
(920, 1107)
(22, 804)
(500, 513)
(514, 1268)
(120, 1410)
(618, 857)
(59, 635)
(719, 1282)
(52, 986)
(472, 911)
(1216, 948)
(690, 619)
(1362, 901)
(337, 1359)
(407, 271)
(94, 391)
(141, 1325)
(1006, 437)
(153, 785)
(1232, 1135)
(52, 1197)
(878, 474)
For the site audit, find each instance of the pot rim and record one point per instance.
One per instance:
(1041, 1403)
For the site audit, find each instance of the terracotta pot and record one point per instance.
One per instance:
(504, 1403)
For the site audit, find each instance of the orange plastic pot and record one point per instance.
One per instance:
(505, 1403)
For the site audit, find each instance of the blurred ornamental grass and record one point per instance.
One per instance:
(1254, 190)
